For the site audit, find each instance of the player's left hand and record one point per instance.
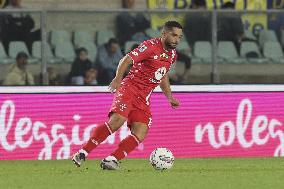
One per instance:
(174, 103)
(114, 85)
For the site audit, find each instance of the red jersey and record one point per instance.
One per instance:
(150, 63)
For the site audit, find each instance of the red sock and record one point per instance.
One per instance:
(125, 147)
(99, 134)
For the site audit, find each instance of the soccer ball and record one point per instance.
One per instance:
(162, 159)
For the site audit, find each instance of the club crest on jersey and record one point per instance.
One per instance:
(142, 49)
(164, 55)
(134, 53)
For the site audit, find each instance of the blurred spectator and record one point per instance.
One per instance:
(108, 57)
(131, 26)
(91, 77)
(276, 22)
(230, 26)
(18, 26)
(18, 74)
(53, 77)
(2, 5)
(197, 25)
(80, 65)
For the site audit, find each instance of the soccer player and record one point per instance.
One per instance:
(151, 62)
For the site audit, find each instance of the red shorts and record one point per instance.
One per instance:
(129, 105)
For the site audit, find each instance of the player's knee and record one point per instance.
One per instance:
(140, 134)
(116, 121)
(141, 138)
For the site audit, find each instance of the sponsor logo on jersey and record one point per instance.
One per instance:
(143, 48)
(164, 55)
(154, 81)
(160, 73)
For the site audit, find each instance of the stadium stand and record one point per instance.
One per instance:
(36, 53)
(103, 36)
(89, 30)
(265, 36)
(65, 51)
(19, 46)
(81, 36)
(58, 37)
(272, 50)
(128, 46)
(227, 53)
(251, 52)
(4, 59)
(203, 51)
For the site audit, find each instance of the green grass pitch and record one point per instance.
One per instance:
(219, 173)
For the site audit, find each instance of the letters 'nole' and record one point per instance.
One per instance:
(261, 127)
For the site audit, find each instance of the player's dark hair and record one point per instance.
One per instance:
(172, 24)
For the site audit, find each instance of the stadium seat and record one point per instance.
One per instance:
(249, 47)
(59, 36)
(151, 33)
(282, 38)
(129, 45)
(65, 51)
(103, 36)
(265, 36)
(203, 51)
(92, 49)
(19, 46)
(36, 52)
(228, 53)
(249, 35)
(81, 37)
(4, 59)
(273, 51)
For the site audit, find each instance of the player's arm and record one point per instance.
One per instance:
(166, 88)
(121, 69)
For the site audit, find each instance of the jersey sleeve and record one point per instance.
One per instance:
(142, 52)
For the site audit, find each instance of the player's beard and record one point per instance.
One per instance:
(170, 45)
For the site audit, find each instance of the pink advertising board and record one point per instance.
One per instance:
(207, 124)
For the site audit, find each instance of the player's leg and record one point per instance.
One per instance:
(139, 123)
(121, 106)
(100, 133)
(127, 145)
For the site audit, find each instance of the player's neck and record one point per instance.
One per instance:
(164, 45)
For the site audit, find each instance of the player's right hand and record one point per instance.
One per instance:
(114, 85)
